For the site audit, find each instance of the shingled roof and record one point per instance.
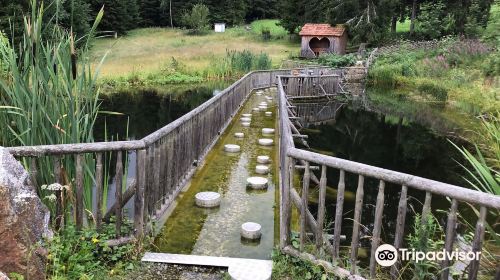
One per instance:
(321, 29)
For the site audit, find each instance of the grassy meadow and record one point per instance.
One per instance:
(148, 50)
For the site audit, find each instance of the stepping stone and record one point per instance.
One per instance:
(268, 114)
(262, 108)
(255, 109)
(239, 135)
(207, 199)
(264, 103)
(257, 183)
(246, 115)
(245, 124)
(261, 169)
(231, 148)
(266, 142)
(251, 230)
(268, 131)
(263, 159)
(245, 119)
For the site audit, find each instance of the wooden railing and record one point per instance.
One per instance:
(293, 159)
(165, 159)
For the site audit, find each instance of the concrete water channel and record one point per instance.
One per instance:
(190, 229)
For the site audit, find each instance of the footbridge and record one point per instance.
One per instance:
(166, 160)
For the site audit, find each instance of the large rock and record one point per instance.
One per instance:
(23, 221)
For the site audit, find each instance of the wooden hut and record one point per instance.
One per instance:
(322, 38)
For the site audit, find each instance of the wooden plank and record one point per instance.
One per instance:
(139, 194)
(127, 195)
(477, 243)
(398, 178)
(98, 186)
(450, 237)
(400, 227)
(339, 210)
(321, 208)
(358, 209)
(377, 226)
(79, 192)
(303, 209)
(118, 192)
(156, 174)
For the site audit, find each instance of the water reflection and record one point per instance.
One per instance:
(143, 111)
(395, 140)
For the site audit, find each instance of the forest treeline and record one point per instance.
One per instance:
(367, 20)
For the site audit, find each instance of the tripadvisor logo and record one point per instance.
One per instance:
(387, 255)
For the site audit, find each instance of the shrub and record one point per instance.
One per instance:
(491, 65)
(335, 60)
(197, 18)
(262, 62)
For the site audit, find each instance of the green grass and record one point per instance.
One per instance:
(271, 25)
(148, 50)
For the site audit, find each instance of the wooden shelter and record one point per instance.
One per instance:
(322, 38)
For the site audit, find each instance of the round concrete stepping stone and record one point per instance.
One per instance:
(263, 159)
(245, 124)
(262, 108)
(246, 115)
(263, 103)
(255, 109)
(268, 131)
(207, 199)
(268, 114)
(231, 148)
(261, 169)
(239, 135)
(245, 119)
(266, 142)
(257, 182)
(250, 230)
(269, 98)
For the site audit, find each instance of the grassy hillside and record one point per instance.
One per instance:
(149, 49)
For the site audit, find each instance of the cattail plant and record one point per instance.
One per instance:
(47, 96)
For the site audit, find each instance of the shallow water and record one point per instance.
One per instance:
(216, 232)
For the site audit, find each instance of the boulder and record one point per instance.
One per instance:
(24, 221)
(3, 276)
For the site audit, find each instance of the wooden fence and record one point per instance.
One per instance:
(293, 159)
(165, 159)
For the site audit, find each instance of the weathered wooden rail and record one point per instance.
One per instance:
(165, 159)
(293, 193)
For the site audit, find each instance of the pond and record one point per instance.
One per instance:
(382, 130)
(411, 138)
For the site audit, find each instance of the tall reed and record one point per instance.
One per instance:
(49, 93)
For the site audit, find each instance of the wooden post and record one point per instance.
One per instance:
(379, 208)
(358, 209)
(98, 186)
(321, 209)
(287, 206)
(79, 192)
(303, 209)
(477, 243)
(33, 173)
(156, 174)
(118, 192)
(426, 209)
(400, 226)
(338, 215)
(450, 237)
(139, 194)
(59, 219)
